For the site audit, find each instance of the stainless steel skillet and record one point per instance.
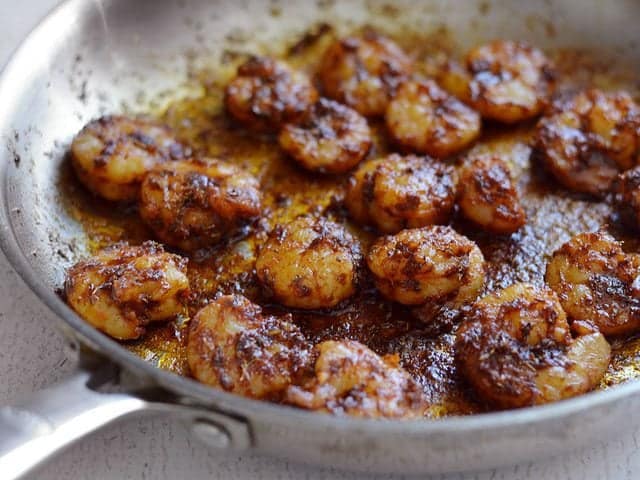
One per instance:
(90, 57)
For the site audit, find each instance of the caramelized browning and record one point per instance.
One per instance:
(515, 349)
(598, 282)
(351, 379)
(588, 138)
(427, 265)
(503, 80)
(423, 118)
(193, 204)
(310, 263)
(233, 346)
(364, 73)
(488, 196)
(397, 192)
(123, 288)
(267, 93)
(111, 155)
(333, 138)
(421, 337)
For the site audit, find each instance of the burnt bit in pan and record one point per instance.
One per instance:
(553, 217)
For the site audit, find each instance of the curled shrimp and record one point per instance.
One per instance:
(111, 155)
(232, 345)
(588, 138)
(333, 138)
(427, 265)
(364, 73)
(397, 192)
(351, 379)
(598, 282)
(487, 195)
(192, 204)
(503, 80)
(309, 263)
(267, 93)
(425, 119)
(515, 349)
(123, 288)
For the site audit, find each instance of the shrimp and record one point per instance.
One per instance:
(266, 94)
(310, 263)
(515, 349)
(503, 80)
(351, 379)
(430, 264)
(425, 119)
(192, 204)
(332, 139)
(111, 155)
(399, 192)
(232, 345)
(589, 138)
(364, 73)
(627, 197)
(488, 196)
(598, 282)
(123, 288)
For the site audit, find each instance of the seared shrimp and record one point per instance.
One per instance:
(333, 138)
(351, 379)
(267, 93)
(123, 288)
(364, 72)
(192, 204)
(425, 119)
(233, 346)
(112, 155)
(598, 282)
(589, 138)
(430, 264)
(516, 350)
(627, 197)
(399, 192)
(309, 263)
(505, 81)
(487, 195)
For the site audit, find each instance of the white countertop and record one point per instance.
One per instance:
(31, 357)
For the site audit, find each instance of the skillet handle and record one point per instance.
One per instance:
(54, 418)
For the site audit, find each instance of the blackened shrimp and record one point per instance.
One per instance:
(598, 282)
(333, 138)
(111, 155)
(487, 195)
(192, 204)
(364, 73)
(588, 138)
(423, 118)
(430, 264)
(267, 93)
(351, 379)
(503, 80)
(515, 349)
(309, 263)
(123, 288)
(399, 192)
(232, 345)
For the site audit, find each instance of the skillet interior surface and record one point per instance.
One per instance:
(169, 58)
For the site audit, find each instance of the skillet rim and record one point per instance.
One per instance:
(210, 397)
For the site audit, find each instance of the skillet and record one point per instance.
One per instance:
(93, 57)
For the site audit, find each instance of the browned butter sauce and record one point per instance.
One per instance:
(553, 217)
